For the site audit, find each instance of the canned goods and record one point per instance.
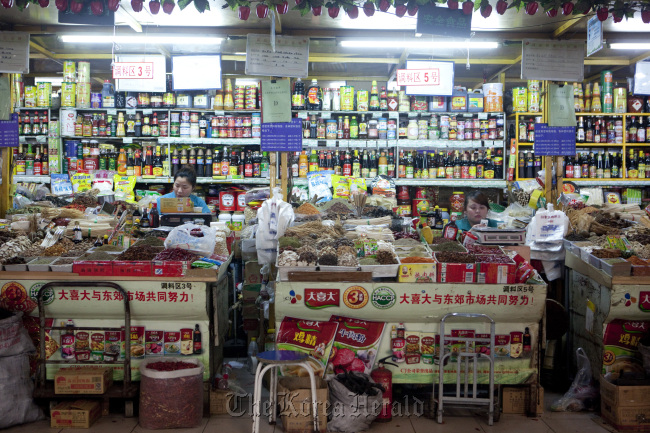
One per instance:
(434, 133)
(246, 121)
(223, 132)
(30, 96)
(43, 94)
(256, 119)
(68, 94)
(247, 132)
(169, 100)
(83, 95)
(519, 99)
(239, 122)
(347, 98)
(185, 129)
(144, 100)
(444, 121)
(485, 134)
(533, 85)
(95, 100)
(83, 72)
(239, 132)
(69, 71)
(476, 134)
(492, 134)
(256, 131)
(230, 121)
(231, 132)
(194, 117)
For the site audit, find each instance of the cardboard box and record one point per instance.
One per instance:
(176, 205)
(627, 408)
(294, 397)
(516, 399)
(418, 273)
(222, 401)
(252, 273)
(496, 273)
(75, 414)
(83, 380)
(132, 268)
(456, 272)
(170, 268)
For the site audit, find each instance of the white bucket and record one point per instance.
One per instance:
(493, 96)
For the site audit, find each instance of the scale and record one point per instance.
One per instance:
(494, 236)
(178, 219)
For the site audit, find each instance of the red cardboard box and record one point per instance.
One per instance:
(104, 268)
(132, 268)
(496, 273)
(456, 272)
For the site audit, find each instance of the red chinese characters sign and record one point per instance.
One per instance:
(418, 77)
(133, 70)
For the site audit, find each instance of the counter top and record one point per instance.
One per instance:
(203, 276)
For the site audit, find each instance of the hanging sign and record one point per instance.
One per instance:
(562, 108)
(9, 133)
(275, 95)
(133, 70)
(422, 77)
(282, 137)
(552, 60)
(594, 35)
(554, 140)
(642, 78)
(434, 20)
(14, 52)
(145, 80)
(288, 58)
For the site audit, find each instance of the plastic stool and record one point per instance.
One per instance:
(271, 360)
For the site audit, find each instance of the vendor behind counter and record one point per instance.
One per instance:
(476, 209)
(184, 185)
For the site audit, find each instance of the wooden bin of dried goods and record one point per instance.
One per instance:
(44, 389)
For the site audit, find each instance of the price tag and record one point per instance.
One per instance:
(343, 143)
(130, 111)
(482, 116)
(302, 115)
(111, 112)
(147, 111)
(322, 143)
(148, 176)
(127, 140)
(219, 113)
(393, 115)
(413, 114)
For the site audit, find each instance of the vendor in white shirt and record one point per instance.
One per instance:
(184, 185)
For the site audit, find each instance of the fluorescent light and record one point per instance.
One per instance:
(246, 82)
(380, 44)
(630, 46)
(137, 39)
(56, 81)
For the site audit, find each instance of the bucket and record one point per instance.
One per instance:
(458, 99)
(438, 103)
(69, 71)
(68, 94)
(493, 95)
(519, 99)
(227, 201)
(83, 72)
(43, 94)
(475, 101)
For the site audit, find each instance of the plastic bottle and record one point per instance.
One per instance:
(223, 382)
(108, 95)
(252, 355)
(313, 100)
(269, 343)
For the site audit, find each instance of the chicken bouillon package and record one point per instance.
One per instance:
(355, 345)
(307, 336)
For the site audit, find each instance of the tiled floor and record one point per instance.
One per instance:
(549, 422)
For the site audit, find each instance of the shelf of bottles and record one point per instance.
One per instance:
(37, 154)
(527, 162)
(610, 146)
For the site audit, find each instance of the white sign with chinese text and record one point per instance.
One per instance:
(594, 35)
(552, 60)
(427, 78)
(157, 82)
(133, 70)
(14, 52)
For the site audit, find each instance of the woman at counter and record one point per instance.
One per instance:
(476, 209)
(184, 184)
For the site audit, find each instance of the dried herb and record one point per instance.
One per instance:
(417, 260)
(346, 250)
(98, 256)
(386, 258)
(151, 240)
(307, 256)
(636, 261)
(368, 261)
(575, 237)
(494, 258)
(347, 259)
(15, 261)
(139, 252)
(606, 253)
(110, 248)
(64, 261)
(327, 257)
(449, 246)
(175, 254)
(43, 261)
(453, 257)
(484, 249)
(289, 241)
(307, 209)
(59, 248)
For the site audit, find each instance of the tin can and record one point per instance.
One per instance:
(476, 133)
(492, 134)
(19, 91)
(434, 133)
(223, 132)
(30, 96)
(69, 71)
(169, 100)
(239, 122)
(95, 100)
(391, 134)
(194, 117)
(362, 100)
(247, 121)
(44, 94)
(256, 131)
(533, 101)
(83, 95)
(256, 119)
(83, 72)
(620, 100)
(144, 100)
(460, 131)
(519, 99)
(239, 132)
(248, 133)
(444, 121)
(231, 132)
(347, 98)
(533, 85)
(68, 94)
(185, 129)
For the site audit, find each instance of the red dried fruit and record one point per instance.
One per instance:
(384, 5)
(452, 4)
(154, 7)
(168, 6)
(567, 8)
(551, 13)
(262, 10)
(486, 11)
(283, 7)
(76, 7)
(333, 12)
(602, 13)
(369, 9)
(468, 7)
(97, 7)
(353, 12)
(244, 12)
(645, 16)
(316, 11)
(136, 5)
(113, 5)
(400, 10)
(502, 6)
(44, 3)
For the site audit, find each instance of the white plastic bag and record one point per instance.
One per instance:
(583, 394)
(548, 226)
(182, 237)
(274, 217)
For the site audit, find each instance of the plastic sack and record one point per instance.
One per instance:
(356, 401)
(548, 226)
(14, 339)
(274, 217)
(171, 399)
(320, 184)
(583, 394)
(16, 387)
(185, 237)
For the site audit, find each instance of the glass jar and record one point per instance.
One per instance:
(412, 131)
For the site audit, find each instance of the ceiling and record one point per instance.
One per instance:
(328, 60)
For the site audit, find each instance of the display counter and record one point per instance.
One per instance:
(516, 308)
(607, 315)
(169, 316)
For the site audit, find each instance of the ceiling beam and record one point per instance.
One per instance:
(41, 50)
(568, 25)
